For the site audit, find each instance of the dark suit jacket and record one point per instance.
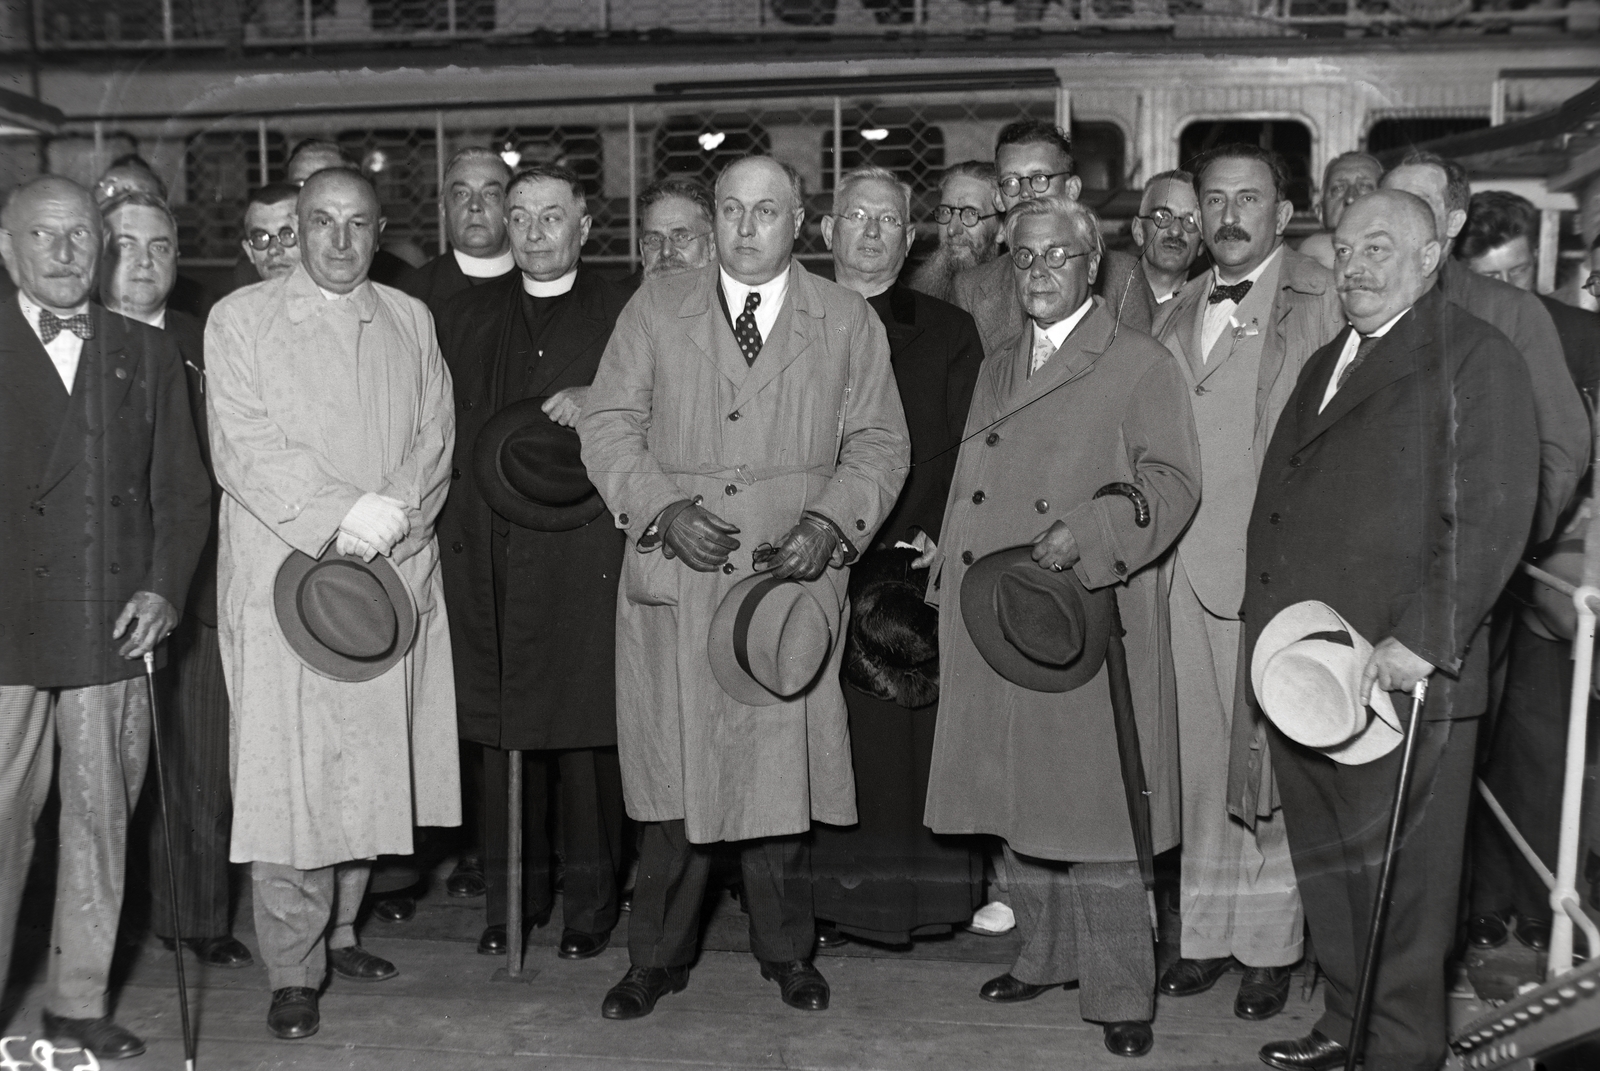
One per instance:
(935, 353)
(989, 293)
(532, 614)
(1579, 331)
(102, 495)
(189, 333)
(1406, 503)
(437, 281)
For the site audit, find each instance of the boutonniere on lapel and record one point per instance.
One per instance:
(1244, 331)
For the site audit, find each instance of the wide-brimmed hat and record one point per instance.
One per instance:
(1034, 626)
(528, 468)
(344, 618)
(891, 651)
(1306, 671)
(770, 638)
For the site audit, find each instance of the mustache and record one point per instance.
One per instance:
(1231, 232)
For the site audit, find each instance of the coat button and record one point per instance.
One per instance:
(733, 415)
(1294, 462)
(622, 519)
(466, 405)
(38, 507)
(1200, 389)
(456, 546)
(1119, 567)
(992, 438)
(455, 474)
(1274, 519)
(1043, 506)
(1266, 578)
(731, 489)
(122, 373)
(41, 572)
(861, 525)
(116, 500)
(115, 568)
(978, 497)
(966, 557)
(727, 567)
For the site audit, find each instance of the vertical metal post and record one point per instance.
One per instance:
(1549, 248)
(1497, 103)
(1564, 893)
(439, 162)
(514, 867)
(838, 142)
(605, 16)
(305, 19)
(99, 147)
(450, 16)
(1064, 108)
(261, 150)
(633, 187)
(166, 22)
(919, 12)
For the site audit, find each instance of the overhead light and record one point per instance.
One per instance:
(510, 154)
(711, 139)
(874, 133)
(375, 162)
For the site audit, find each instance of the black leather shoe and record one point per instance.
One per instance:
(293, 1013)
(1129, 1039)
(635, 996)
(801, 984)
(627, 899)
(105, 1039)
(1314, 1052)
(466, 880)
(359, 965)
(1533, 933)
(1008, 990)
(576, 945)
(830, 936)
(394, 909)
(1486, 931)
(1189, 977)
(1263, 993)
(225, 951)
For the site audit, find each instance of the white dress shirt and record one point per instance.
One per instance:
(1218, 315)
(554, 288)
(772, 292)
(1348, 354)
(1054, 335)
(64, 349)
(487, 267)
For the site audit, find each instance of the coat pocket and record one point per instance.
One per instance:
(650, 579)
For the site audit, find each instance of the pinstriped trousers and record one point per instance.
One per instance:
(104, 735)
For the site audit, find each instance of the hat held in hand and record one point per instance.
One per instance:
(1035, 627)
(528, 468)
(345, 619)
(770, 638)
(1306, 671)
(891, 650)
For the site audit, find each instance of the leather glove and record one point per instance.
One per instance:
(376, 520)
(805, 552)
(701, 538)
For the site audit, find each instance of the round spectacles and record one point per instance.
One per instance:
(1011, 185)
(260, 240)
(968, 215)
(654, 242)
(1054, 257)
(888, 221)
(1592, 284)
(1166, 217)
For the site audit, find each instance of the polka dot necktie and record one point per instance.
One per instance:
(745, 331)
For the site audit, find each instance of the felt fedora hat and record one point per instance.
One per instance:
(344, 618)
(1306, 670)
(770, 638)
(1034, 626)
(891, 650)
(529, 470)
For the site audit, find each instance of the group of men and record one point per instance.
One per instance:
(638, 536)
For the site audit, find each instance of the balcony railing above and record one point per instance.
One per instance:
(65, 25)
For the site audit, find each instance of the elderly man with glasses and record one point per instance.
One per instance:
(676, 230)
(1167, 232)
(969, 227)
(1070, 405)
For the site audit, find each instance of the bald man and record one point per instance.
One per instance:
(92, 581)
(331, 433)
(1398, 489)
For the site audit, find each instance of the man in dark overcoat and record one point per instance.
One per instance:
(887, 877)
(1398, 489)
(533, 613)
(104, 507)
(474, 204)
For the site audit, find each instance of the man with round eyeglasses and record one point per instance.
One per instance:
(969, 227)
(270, 243)
(1167, 232)
(675, 217)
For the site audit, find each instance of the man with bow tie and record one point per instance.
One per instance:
(104, 508)
(1241, 332)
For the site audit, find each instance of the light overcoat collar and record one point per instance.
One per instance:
(303, 299)
(806, 323)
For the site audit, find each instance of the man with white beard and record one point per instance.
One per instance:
(969, 227)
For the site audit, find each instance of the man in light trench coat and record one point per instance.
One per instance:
(735, 405)
(331, 425)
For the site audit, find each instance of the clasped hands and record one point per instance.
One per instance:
(373, 526)
(703, 540)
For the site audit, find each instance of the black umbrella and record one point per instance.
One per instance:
(172, 875)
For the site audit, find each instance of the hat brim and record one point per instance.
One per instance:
(311, 652)
(497, 491)
(720, 648)
(980, 613)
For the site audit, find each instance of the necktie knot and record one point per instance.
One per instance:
(1234, 293)
(752, 301)
(1363, 348)
(51, 325)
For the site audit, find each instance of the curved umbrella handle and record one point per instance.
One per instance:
(1141, 505)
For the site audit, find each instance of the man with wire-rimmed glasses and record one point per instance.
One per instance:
(675, 231)
(1167, 233)
(969, 227)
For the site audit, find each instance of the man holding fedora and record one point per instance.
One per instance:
(1398, 490)
(1078, 471)
(1241, 332)
(744, 415)
(331, 431)
(531, 564)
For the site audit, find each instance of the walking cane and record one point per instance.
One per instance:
(1380, 909)
(172, 874)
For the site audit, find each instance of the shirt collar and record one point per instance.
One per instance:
(1384, 330)
(31, 309)
(1057, 332)
(772, 291)
(553, 288)
(1254, 276)
(155, 319)
(483, 267)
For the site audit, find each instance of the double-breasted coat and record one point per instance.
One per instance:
(814, 424)
(989, 292)
(532, 614)
(1041, 769)
(314, 402)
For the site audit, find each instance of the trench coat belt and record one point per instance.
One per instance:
(752, 473)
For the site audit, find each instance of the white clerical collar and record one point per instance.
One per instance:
(1254, 276)
(483, 267)
(553, 288)
(1057, 332)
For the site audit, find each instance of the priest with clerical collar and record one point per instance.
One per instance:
(474, 205)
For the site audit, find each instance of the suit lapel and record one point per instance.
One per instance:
(1390, 360)
(106, 371)
(578, 325)
(1073, 358)
(803, 316)
(704, 313)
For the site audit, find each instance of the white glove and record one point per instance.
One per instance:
(376, 520)
(349, 544)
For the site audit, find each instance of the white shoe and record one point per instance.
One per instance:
(992, 919)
